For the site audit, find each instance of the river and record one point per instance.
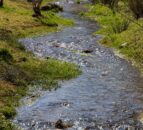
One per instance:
(106, 96)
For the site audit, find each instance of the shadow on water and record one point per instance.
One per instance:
(106, 96)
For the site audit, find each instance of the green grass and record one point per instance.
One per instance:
(16, 17)
(119, 27)
(51, 19)
(20, 69)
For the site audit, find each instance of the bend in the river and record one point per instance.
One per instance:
(106, 96)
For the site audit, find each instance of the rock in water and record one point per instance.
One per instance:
(61, 125)
(87, 51)
(105, 73)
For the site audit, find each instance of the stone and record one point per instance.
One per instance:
(87, 51)
(61, 125)
(66, 104)
(62, 45)
(105, 73)
(123, 45)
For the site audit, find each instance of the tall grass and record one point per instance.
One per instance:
(120, 27)
(136, 6)
(111, 3)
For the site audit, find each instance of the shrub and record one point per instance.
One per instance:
(4, 124)
(5, 56)
(119, 25)
(8, 112)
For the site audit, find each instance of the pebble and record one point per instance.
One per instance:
(105, 73)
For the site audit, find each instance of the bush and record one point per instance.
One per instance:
(120, 25)
(8, 112)
(4, 124)
(5, 56)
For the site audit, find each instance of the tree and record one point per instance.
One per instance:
(137, 7)
(1, 3)
(36, 8)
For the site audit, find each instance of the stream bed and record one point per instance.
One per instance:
(106, 96)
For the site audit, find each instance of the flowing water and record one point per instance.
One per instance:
(106, 96)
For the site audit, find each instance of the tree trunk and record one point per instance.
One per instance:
(1, 3)
(36, 8)
(137, 7)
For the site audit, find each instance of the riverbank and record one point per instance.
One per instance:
(19, 68)
(16, 17)
(119, 30)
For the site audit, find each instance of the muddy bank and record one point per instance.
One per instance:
(108, 94)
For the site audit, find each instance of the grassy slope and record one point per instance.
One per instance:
(19, 69)
(119, 28)
(16, 17)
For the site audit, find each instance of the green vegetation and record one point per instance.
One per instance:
(16, 18)
(120, 29)
(53, 20)
(24, 70)
(109, 3)
(78, 1)
(20, 69)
